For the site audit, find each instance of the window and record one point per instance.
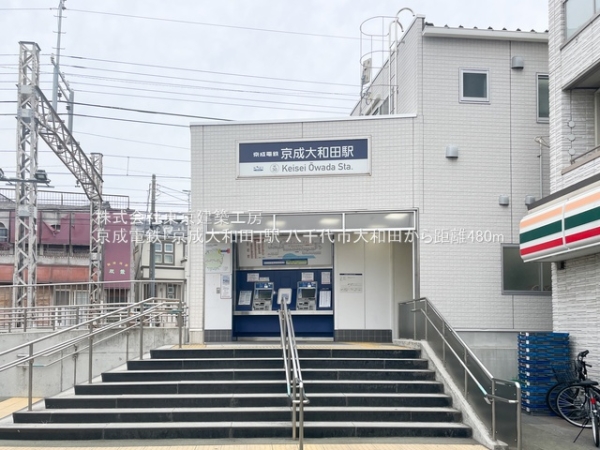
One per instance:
(543, 98)
(578, 13)
(384, 109)
(474, 86)
(82, 298)
(164, 253)
(55, 250)
(519, 277)
(171, 291)
(116, 295)
(3, 233)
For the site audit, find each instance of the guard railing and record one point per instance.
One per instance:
(61, 305)
(293, 373)
(496, 402)
(100, 327)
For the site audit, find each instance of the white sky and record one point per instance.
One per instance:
(279, 58)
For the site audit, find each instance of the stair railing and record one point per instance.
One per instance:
(293, 373)
(121, 320)
(496, 402)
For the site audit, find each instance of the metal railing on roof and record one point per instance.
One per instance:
(496, 402)
(58, 199)
(293, 373)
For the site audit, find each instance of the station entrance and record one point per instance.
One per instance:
(338, 282)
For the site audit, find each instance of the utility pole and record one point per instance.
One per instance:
(152, 244)
(61, 7)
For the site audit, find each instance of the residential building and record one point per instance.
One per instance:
(169, 239)
(64, 249)
(564, 226)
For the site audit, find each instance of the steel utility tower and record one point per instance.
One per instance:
(37, 118)
(25, 268)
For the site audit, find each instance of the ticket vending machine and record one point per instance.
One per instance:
(262, 300)
(306, 296)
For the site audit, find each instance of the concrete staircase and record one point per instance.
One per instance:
(241, 393)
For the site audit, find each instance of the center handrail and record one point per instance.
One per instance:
(293, 372)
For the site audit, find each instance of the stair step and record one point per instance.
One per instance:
(231, 353)
(229, 430)
(241, 393)
(264, 386)
(277, 363)
(272, 414)
(267, 374)
(244, 400)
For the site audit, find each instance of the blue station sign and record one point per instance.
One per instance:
(304, 158)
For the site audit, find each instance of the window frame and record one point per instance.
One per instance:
(584, 24)
(541, 282)
(539, 76)
(479, 100)
(161, 253)
(3, 234)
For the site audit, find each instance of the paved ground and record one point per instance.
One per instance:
(552, 433)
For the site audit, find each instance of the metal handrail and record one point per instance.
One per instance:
(490, 398)
(293, 372)
(146, 310)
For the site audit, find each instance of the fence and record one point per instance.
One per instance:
(62, 305)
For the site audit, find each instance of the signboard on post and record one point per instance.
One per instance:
(304, 158)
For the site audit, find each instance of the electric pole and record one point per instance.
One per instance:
(152, 243)
(61, 7)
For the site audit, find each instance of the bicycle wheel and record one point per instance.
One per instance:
(595, 430)
(551, 396)
(571, 405)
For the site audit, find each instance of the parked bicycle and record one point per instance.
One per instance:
(579, 401)
(566, 374)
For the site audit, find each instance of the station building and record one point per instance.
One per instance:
(418, 193)
(564, 226)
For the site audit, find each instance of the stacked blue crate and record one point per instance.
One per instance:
(538, 353)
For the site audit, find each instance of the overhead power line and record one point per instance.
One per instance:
(146, 111)
(163, 91)
(118, 119)
(329, 107)
(26, 9)
(206, 24)
(187, 86)
(131, 140)
(129, 63)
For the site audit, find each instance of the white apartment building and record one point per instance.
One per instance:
(420, 193)
(564, 227)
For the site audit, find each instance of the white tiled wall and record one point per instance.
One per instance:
(576, 306)
(497, 155)
(576, 300)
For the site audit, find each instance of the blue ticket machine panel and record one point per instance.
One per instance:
(306, 296)
(262, 300)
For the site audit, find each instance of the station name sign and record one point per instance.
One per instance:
(304, 158)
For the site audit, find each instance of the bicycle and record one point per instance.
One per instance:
(578, 403)
(565, 375)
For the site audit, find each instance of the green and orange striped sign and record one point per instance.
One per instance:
(563, 229)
